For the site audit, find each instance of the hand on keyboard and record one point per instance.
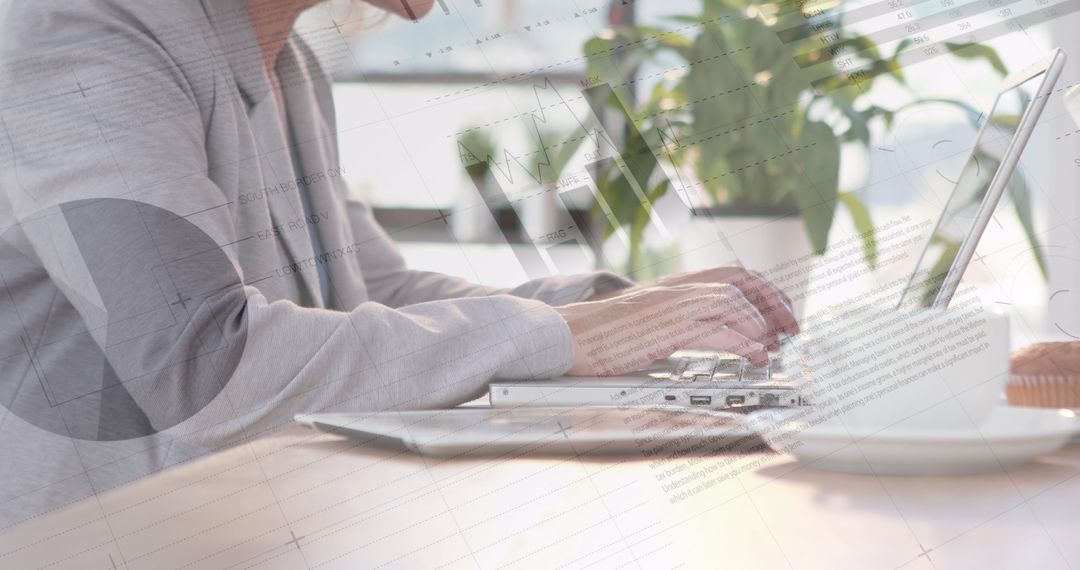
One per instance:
(630, 331)
(773, 305)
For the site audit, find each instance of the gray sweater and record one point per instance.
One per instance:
(162, 294)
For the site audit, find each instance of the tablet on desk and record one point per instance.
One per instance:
(509, 432)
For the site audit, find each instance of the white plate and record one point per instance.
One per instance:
(1010, 437)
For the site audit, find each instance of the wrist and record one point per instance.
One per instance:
(606, 285)
(569, 350)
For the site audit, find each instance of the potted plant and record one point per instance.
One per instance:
(759, 141)
(476, 220)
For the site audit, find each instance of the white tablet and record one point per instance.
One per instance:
(511, 432)
(1002, 137)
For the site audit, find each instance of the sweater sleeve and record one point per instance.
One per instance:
(391, 282)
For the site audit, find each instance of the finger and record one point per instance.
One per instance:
(773, 304)
(739, 314)
(698, 337)
(746, 320)
(768, 297)
(762, 331)
(411, 9)
(677, 329)
(662, 341)
(776, 289)
(641, 359)
(725, 305)
(730, 341)
(704, 335)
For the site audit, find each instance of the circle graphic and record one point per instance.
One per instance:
(119, 320)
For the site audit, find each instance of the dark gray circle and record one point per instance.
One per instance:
(131, 324)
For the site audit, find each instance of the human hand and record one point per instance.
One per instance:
(410, 9)
(646, 323)
(766, 297)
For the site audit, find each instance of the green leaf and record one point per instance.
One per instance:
(978, 51)
(1021, 199)
(940, 269)
(900, 47)
(686, 19)
(597, 56)
(561, 155)
(476, 147)
(1011, 122)
(667, 39)
(872, 112)
(859, 129)
(863, 224)
(895, 69)
(711, 114)
(864, 46)
(598, 48)
(819, 159)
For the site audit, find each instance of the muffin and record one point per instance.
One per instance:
(1047, 375)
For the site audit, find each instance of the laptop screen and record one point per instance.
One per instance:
(961, 210)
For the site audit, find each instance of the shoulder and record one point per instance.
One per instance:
(70, 24)
(84, 81)
(56, 33)
(50, 47)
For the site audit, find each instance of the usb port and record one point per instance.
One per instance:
(735, 400)
(700, 400)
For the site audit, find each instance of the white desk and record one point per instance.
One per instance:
(298, 499)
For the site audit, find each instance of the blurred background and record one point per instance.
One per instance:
(501, 140)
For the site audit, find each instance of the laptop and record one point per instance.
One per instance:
(725, 381)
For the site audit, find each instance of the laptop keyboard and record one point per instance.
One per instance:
(715, 367)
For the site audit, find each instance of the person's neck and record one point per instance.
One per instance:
(273, 21)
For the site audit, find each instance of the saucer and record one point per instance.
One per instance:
(1009, 437)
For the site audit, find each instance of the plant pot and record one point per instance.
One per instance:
(474, 217)
(774, 245)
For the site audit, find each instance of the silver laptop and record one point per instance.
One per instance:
(717, 380)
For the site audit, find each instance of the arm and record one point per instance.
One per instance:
(390, 282)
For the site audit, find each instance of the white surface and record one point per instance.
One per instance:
(1010, 437)
(304, 499)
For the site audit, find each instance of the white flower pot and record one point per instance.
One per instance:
(472, 219)
(776, 247)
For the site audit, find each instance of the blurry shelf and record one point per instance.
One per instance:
(433, 225)
(444, 77)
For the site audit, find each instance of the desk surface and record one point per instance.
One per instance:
(298, 499)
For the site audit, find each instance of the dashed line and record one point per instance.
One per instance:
(1068, 134)
(751, 165)
(624, 84)
(729, 131)
(609, 51)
